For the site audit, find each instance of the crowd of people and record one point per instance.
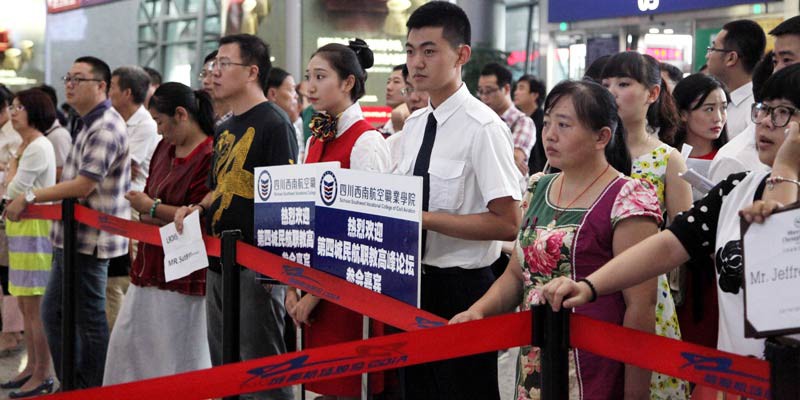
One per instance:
(573, 196)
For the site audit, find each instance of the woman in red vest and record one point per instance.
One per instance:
(336, 80)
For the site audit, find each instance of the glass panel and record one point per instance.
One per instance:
(149, 7)
(180, 30)
(209, 46)
(179, 63)
(146, 33)
(180, 7)
(212, 26)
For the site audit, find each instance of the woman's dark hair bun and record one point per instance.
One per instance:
(363, 53)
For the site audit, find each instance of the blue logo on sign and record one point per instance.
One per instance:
(724, 365)
(264, 185)
(328, 188)
(426, 323)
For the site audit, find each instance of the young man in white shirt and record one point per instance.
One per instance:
(471, 192)
(740, 153)
(733, 54)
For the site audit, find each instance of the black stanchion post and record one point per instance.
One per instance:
(69, 297)
(550, 332)
(230, 298)
(783, 354)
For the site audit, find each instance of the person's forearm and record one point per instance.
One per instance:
(783, 192)
(502, 297)
(75, 188)
(656, 255)
(483, 226)
(637, 380)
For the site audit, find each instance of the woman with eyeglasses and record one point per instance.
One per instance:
(29, 248)
(711, 226)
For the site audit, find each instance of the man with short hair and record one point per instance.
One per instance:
(671, 75)
(494, 89)
(97, 173)
(529, 96)
(257, 135)
(281, 91)
(127, 92)
(464, 153)
(394, 98)
(155, 82)
(731, 58)
(740, 153)
(221, 110)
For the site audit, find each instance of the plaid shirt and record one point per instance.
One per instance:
(100, 153)
(523, 132)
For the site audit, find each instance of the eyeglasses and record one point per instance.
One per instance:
(19, 107)
(223, 64)
(710, 49)
(406, 91)
(487, 91)
(205, 72)
(77, 80)
(779, 115)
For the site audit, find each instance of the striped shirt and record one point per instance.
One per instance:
(100, 153)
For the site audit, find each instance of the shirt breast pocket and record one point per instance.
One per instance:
(447, 184)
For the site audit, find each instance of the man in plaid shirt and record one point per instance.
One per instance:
(98, 173)
(494, 90)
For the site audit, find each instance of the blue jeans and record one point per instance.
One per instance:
(92, 326)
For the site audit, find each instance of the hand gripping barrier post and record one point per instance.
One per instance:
(427, 340)
(230, 299)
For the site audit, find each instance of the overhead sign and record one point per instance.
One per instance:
(371, 230)
(579, 10)
(57, 6)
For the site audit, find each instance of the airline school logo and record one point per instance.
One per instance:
(328, 188)
(264, 185)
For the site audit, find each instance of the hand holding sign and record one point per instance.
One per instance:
(183, 253)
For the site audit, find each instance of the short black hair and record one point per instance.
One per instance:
(689, 95)
(596, 68)
(789, 27)
(674, 73)
(134, 78)
(6, 95)
(276, 77)
(50, 92)
(536, 86)
(761, 73)
(783, 85)
(155, 76)
(441, 14)
(502, 73)
(210, 56)
(253, 51)
(41, 110)
(398, 67)
(748, 40)
(405, 73)
(99, 68)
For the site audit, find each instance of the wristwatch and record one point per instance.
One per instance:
(30, 197)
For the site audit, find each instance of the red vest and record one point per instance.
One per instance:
(338, 149)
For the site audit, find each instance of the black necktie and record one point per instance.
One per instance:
(422, 164)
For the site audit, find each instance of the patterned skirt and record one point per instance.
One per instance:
(30, 256)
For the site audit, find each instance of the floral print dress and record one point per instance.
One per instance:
(575, 245)
(652, 167)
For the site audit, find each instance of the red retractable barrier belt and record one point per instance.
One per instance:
(702, 365)
(351, 358)
(708, 367)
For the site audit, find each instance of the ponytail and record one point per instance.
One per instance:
(663, 114)
(353, 59)
(617, 153)
(205, 112)
(171, 95)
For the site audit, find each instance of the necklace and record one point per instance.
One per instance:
(560, 211)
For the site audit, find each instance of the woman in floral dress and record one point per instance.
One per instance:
(645, 105)
(573, 222)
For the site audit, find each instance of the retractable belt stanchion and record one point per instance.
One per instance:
(551, 334)
(69, 297)
(230, 299)
(783, 355)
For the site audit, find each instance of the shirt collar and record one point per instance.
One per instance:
(449, 106)
(138, 117)
(742, 93)
(349, 117)
(512, 114)
(96, 112)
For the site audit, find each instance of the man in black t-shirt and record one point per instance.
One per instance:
(258, 134)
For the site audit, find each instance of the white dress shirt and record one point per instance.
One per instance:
(370, 152)
(472, 163)
(142, 140)
(739, 110)
(738, 155)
